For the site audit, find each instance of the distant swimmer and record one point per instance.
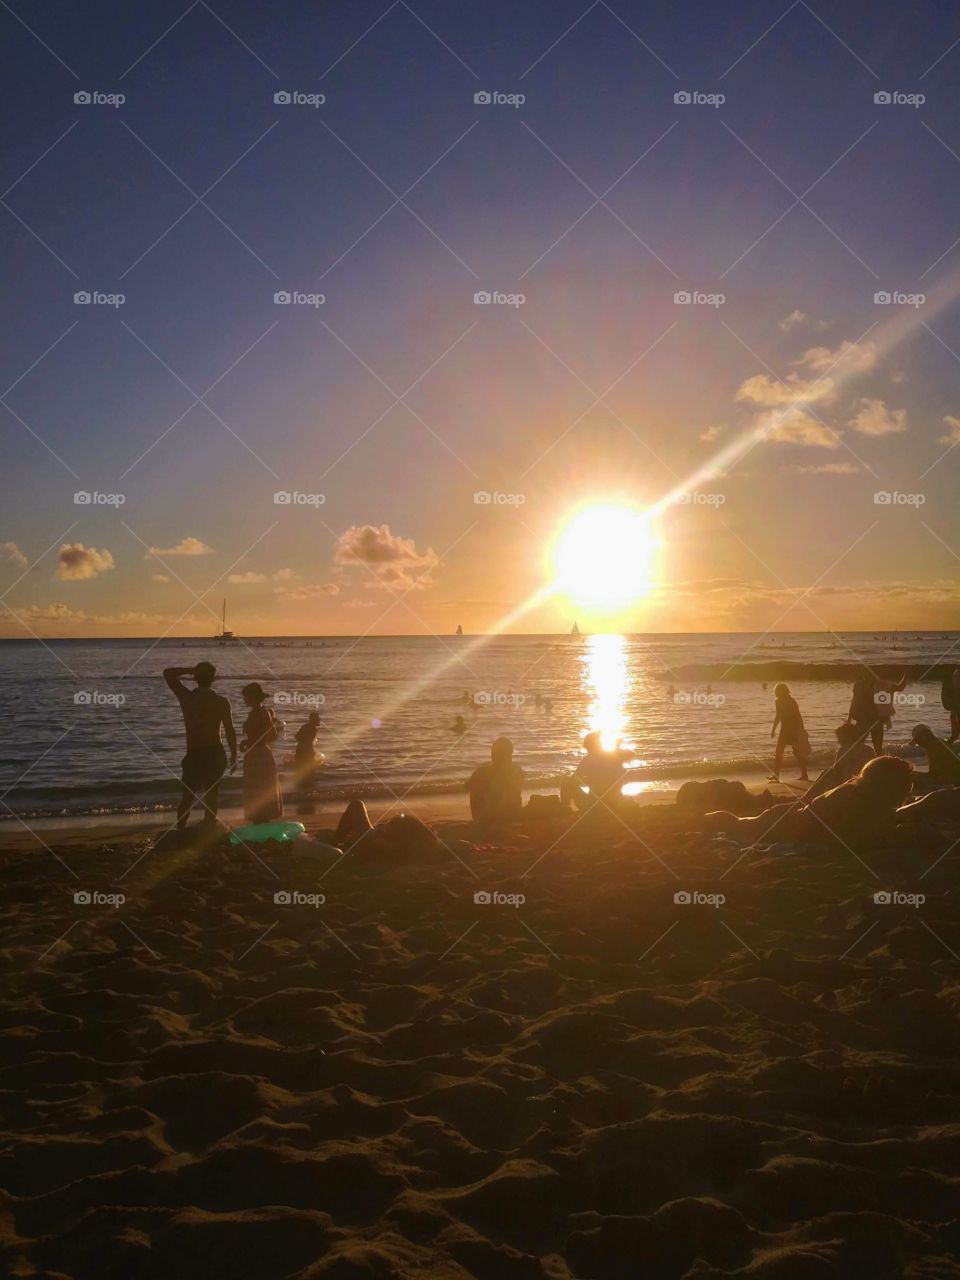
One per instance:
(459, 725)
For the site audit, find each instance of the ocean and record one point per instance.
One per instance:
(88, 726)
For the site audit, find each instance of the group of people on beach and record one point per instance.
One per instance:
(208, 721)
(856, 795)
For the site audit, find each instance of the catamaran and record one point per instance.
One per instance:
(225, 636)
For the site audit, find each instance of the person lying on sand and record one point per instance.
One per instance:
(602, 771)
(859, 813)
(496, 788)
(401, 835)
(853, 752)
(205, 713)
(943, 764)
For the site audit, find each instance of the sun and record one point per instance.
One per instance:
(604, 556)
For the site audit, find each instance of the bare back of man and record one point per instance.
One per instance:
(205, 714)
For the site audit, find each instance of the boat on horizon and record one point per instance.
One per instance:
(574, 630)
(225, 636)
(459, 631)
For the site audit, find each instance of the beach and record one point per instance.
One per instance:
(649, 1053)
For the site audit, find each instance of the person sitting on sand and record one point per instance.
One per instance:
(305, 760)
(601, 771)
(852, 754)
(205, 713)
(262, 800)
(870, 719)
(496, 788)
(857, 814)
(792, 733)
(943, 765)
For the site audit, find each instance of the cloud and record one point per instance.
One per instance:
(76, 562)
(50, 613)
(798, 318)
(793, 426)
(848, 358)
(185, 547)
(393, 560)
(159, 577)
(358, 604)
(773, 393)
(712, 433)
(240, 579)
(312, 591)
(952, 437)
(284, 575)
(10, 553)
(828, 469)
(873, 418)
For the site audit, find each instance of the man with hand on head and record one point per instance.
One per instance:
(205, 713)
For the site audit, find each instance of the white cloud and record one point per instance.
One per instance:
(159, 577)
(312, 591)
(848, 358)
(10, 553)
(393, 560)
(828, 469)
(240, 579)
(953, 430)
(284, 575)
(712, 433)
(185, 547)
(75, 562)
(793, 426)
(799, 318)
(769, 392)
(873, 418)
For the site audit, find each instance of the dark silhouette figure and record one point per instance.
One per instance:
(496, 788)
(869, 718)
(792, 732)
(305, 762)
(602, 771)
(205, 713)
(852, 754)
(262, 801)
(942, 762)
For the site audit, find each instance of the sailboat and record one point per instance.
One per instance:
(225, 636)
(459, 629)
(574, 630)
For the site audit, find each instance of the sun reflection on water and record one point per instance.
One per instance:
(607, 679)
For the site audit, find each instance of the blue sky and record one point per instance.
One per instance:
(797, 198)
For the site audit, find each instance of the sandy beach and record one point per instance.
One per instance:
(405, 1081)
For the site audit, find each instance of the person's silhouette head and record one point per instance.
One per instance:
(501, 750)
(847, 734)
(887, 780)
(254, 694)
(781, 691)
(923, 735)
(205, 673)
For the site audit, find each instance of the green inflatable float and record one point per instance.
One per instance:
(260, 832)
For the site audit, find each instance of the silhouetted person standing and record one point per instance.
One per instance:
(205, 713)
(262, 799)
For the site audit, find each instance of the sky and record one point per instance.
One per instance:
(725, 289)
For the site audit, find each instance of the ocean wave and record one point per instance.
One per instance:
(916, 672)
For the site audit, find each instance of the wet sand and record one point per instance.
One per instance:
(404, 1081)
